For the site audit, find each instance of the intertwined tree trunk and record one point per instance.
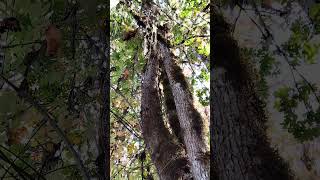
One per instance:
(167, 155)
(165, 148)
(241, 149)
(190, 121)
(189, 129)
(171, 109)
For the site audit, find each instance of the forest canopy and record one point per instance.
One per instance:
(54, 81)
(159, 89)
(188, 26)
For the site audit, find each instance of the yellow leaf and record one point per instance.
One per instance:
(75, 139)
(131, 148)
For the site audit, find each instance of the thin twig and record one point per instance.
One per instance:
(26, 96)
(22, 160)
(22, 44)
(191, 37)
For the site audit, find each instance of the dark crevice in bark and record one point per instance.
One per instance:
(171, 107)
(241, 149)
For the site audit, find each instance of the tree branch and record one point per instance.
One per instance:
(23, 94)
(17, 156)
(191, 37)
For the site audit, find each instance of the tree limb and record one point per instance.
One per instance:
(23, 94)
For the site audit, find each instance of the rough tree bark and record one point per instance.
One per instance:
(104, 128)
(190, 120)
(241, 149)
(166, 154)
(171, 107)
(157, 137)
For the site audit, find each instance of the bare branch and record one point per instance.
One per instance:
(23, 94)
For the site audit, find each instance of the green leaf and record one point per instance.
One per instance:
(314, 11)
(55, 76)
(310, 53)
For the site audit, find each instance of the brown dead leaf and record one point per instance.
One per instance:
(15, 135)
(53, 38)
(125, 74)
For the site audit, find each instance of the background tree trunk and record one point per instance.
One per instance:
(104, 126)
(240, 146)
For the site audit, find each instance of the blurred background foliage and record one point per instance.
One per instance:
(64, 84)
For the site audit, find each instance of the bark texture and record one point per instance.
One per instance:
(103, 159)
(166, 154)
(171, 108)
(168, 157)
(6, 25)
(241, 149)
(190, 120)
(2, 58)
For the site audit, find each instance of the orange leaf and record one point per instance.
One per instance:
(126, 74)
(15, 135)
(53, 38)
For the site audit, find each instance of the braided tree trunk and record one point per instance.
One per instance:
(190, 121)
(185, 120)
(167, 155)
(171, 108)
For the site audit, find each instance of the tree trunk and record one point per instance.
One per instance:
(166, 154)
(104, 128)
(2, 58)
(168, 157)
(190, 120)
(240, 146)
(163, 148)
(171, 107)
